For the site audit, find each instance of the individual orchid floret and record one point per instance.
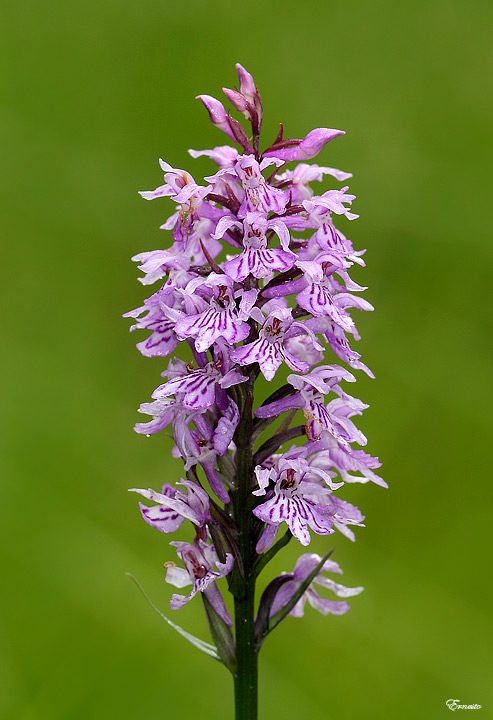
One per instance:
(329, 239)
(163, 339)
(305, 348)
(270, 350)
(322, 378)
(157, 263)
(174, 506)
(343, 515)
(163, 413)
(219, 320)
(338, 342)
(297, 499)
(197, 446)
(259, 195)
(310, 398)
(334, 201)
(255, 224)
(305, 149)
(305, 565)
(198, 389)
(318, 416)
(224, 155)
(341, 410)
(257, 259)
(297, 180)
(328, 455)
(179, 185)
(318, 297)
(199, 560)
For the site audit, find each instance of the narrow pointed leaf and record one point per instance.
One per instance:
(267, 556)
(205, 647)
(268, 597)
(287, 421)
(279, 394)
(260, 425)
(275, 442)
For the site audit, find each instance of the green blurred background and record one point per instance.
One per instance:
(92, 94)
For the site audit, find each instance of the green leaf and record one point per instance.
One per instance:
(287, 421)
(267, 556)
(260, 426)
(265, 605)
(275, 442)
(205, 647)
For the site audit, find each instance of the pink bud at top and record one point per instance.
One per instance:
(247, 83)
(249, 91)
(217, 114)
(237, 100)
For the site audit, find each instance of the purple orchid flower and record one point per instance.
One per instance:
(310, 398)
(270, 350)
(328, 454)
(175, 506)
(199, 560)
(224, 155)
(338, 342)
(179, 185)
(199, 446)
(307, 148)
(157, 263)
(305, 565)
(220, 319)
(163, 339)
(257, 259)
(198, 388)
(297, 181)
(319, 297)
(259, 195)
(163, 413)
(297, 500)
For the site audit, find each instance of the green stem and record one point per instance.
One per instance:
(246, 677)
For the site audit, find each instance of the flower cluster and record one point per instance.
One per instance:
(256, 278)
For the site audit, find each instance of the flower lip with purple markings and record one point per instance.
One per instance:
(297, 499)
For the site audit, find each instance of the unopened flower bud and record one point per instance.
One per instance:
(217, 114)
